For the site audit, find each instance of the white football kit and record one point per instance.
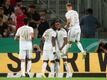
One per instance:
(25, 41)
(61, 34)
(48, 48)
(74, 28)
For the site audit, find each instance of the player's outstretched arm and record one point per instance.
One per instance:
(53, 44)
(67, 24)
(64, 43)
(32, 35)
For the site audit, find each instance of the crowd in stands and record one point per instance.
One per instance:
(12, 13)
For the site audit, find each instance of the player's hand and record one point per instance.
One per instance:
(65, 26)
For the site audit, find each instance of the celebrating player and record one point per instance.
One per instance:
(73, 27)
(49, 50)
(61, 47)
(25, 35)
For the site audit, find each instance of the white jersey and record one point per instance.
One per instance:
(48, 34)
(74, 19)
(61, 34)
(25, 40)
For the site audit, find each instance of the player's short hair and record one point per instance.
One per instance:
(26, 20)
(68, 4)
(57, 20)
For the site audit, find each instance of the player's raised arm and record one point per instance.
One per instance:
(68, 15)
(53, 43)
(67, 23)
(54, 39)
(64, 43)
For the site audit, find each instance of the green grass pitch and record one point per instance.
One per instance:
(2, 78)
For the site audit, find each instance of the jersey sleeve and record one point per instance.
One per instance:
(53, 34)
(18, 32)
(44, 34)
(65, 33)
(74, 18)
(67, 15)
(31, 30)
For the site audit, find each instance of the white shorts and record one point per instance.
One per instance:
(61, 54)
(25, 53)
(74, 35)
(48, 55)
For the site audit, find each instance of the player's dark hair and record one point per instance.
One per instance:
(26, 21)
(57, 20)
(68, 4)
(89, 11)
(53, 24)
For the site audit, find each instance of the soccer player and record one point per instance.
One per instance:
(49, 50)
(61, 47)
(74, 31)
(25, 35)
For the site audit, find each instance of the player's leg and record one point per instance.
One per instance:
(67, 67)
(29, 63)
(52, 68)
(57, 61)
(22, 56)
(57, 66)
(52, 63)
(69, 39)
(77, 40)
(64, 57)
(45, 62)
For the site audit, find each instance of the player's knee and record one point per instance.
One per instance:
(65, 59)
(69, 42)
(57, 60)
(45, 61)
(53, 61)
(29, 59)
(22, 60)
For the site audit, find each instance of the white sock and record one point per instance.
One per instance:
(23, 68)
(57, 67)
(80, 47)
(52, 68)
(44, 67)
(29, 66)
(67, 67)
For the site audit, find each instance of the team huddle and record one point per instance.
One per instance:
(56, 42)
